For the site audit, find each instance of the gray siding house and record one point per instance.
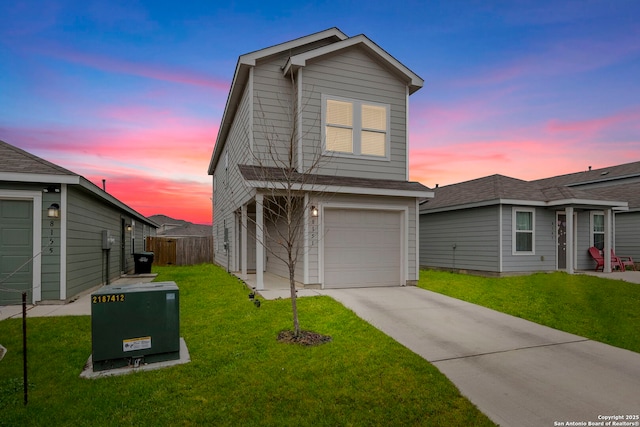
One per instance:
(619, 182)
(327, 113)
(52, 223)
(499, 225)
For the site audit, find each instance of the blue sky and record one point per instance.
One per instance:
(134, 91)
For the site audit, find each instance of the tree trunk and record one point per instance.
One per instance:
(294, 302)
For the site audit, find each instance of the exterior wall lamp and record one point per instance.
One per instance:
(128, 227)
(53, 211)
(314, 211)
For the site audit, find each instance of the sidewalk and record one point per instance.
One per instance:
(80, 306)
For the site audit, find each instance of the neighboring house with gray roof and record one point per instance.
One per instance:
(501, 225)
(339, 106)
(52, 223)
(620, 182)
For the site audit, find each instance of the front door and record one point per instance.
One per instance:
(562, 240)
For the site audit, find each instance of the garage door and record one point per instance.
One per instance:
(361, 248)
(16, 248)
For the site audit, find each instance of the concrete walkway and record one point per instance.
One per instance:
(517, 372)
(80, 306)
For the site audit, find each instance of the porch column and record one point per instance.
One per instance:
(243, 244)
(607, 241)
(570, 249)
(259, 242)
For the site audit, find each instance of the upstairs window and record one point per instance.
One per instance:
(523, 231)
(356, 128)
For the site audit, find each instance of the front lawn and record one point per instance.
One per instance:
(239, 374)
(600, 309)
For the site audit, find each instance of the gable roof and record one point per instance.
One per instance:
(319, 44)
(500, 189)
(272, 178)
(17, 165)
(414, 81)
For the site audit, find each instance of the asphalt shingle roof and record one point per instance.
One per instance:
(500, 187)
(608, 173)
(271, 174)
(15, 160)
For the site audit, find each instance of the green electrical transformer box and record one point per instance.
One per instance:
(135, 324)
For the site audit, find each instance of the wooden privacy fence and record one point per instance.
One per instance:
(181, 250)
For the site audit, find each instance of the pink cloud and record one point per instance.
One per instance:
(594, 126)
(152, 71)
(168, 158)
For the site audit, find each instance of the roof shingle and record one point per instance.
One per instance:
(15, 160)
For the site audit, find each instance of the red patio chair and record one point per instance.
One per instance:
(597, 256)
(625, 261)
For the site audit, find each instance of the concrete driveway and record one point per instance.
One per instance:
(517, 372)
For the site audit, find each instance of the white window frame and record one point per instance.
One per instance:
(514, 250)
(357, 129)
(592, 232)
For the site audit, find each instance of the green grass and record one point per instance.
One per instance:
(600, 309)
(239, 374)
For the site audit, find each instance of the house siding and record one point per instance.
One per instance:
(353, 74)
(473, 232)
(272, 114)
(229, 190)
(277, 254)
(544, 258)
(628, 235)
(86, 260)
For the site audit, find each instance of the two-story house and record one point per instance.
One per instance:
(324, 116)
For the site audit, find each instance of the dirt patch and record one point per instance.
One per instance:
(307, 338)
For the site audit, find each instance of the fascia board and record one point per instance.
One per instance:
(483, 204)
(301, 60)
(587, 202)
(252, 57)
(565, 202)
(35, 177)
(338, 189)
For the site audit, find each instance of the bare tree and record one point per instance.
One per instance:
(291, 187)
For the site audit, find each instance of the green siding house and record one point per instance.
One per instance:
(60, 235)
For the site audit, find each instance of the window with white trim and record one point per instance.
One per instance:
(356, 128)
(597, 230)
(523, 231)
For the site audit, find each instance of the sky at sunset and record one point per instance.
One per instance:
(133, 91)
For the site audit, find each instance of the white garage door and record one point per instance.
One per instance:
(361, 248)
